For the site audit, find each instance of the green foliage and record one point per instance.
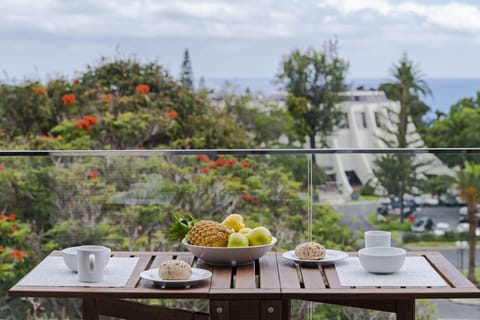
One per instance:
(449, 236)
(186, 75)
(180, 227)
(408, 84)
(313, 80)
(391, 223)
(460, 128)
(15, 254)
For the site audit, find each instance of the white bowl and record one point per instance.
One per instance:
(382, 259)
(70, 257)
(229, 256)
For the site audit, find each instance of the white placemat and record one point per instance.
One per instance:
(415, 272)
(52, 271)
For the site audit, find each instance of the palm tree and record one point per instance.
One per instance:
(468, 181)
(405, 87)
(408, 84)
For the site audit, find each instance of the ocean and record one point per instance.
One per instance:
(446, 91)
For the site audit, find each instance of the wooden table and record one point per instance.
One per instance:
(262, 290)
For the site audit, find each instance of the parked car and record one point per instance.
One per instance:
(426, 200)
(441, 228)
(409, 208)
(423, 224)
(463, 211)
(464, 227)
(453, 202)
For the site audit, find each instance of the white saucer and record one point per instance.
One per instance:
(331, 256)
(197, 276)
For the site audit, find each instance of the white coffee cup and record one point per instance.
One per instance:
(377, 238)
(91, 261)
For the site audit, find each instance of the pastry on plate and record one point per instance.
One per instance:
(310, 251)
(175, 270)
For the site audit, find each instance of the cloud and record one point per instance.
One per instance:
(372, 33)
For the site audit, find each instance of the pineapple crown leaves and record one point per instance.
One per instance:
(180, 227)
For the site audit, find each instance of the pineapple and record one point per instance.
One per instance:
(205, 233)
(209, 233)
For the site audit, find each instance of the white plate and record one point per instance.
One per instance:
(331, 256)
(197, 276)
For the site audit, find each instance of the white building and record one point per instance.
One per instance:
(366, 114)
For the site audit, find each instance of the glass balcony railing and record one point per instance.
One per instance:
(128, 199)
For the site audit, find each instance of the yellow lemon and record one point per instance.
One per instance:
(234, 221)
(245, 230)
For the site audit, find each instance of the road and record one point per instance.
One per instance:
(354, 215)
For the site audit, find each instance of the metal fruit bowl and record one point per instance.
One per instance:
(227, 255)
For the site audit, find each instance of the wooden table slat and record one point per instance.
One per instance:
(143, 262)
(221, 277)
(288, 274)
(312, 277)
(332, 276)
(269, 274)
(245, 277)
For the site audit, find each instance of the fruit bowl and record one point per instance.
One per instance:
(231, 256)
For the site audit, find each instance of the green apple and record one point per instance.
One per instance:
(259, 236)
(237, 240)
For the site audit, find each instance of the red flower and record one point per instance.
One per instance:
(231, 163)
(68, 99)
(2, 168)
(86, 123)
(204, 169)
(92, 175)
(202, 157)
(90, 119)
(12, 217)
(245, 164)
(13, 229)
(247, 197)
(40, 90)
(17, 254)
(172, 114)
(80, 124)
(107, 97)
(1, 249)
(2, 217)
(143, 88)
(74, 81)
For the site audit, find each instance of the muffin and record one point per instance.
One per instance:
(174, 270)
(310, 251)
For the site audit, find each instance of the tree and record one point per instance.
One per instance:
(313, 80)
(406, 86)
(469, 186)
(459, 128)
(186, 75)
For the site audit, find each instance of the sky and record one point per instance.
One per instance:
(41, 39)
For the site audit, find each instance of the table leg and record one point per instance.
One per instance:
(405, 309)
(89, 309)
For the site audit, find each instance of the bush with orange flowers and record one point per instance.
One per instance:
(142, 89)
(14, 254)
(86, 123)
(40, 90)
(68, 99)
(172, 114)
